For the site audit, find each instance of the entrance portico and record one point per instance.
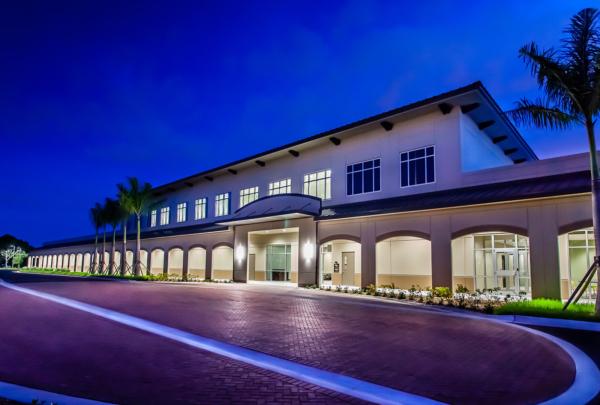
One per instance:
(275, 240)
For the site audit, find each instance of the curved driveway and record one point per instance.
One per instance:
(456, 360)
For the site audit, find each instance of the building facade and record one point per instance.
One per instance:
(442, 192)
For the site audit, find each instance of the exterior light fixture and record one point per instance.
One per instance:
(308, 251)
(240, 253)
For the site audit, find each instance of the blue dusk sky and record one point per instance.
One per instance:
(94, 91)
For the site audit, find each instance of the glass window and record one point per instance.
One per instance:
(222, 204)
(200, 208)
(363, 177)
(181, 212)
(280, 187)
(248, 195)
(153, 218)
(318, 184)
(417, 166)
(164, 215)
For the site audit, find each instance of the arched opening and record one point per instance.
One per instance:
(79, 262)
(197, 263)
(492, 261)
(129, 261)
(158, 261)
(403, 262)
(55, 261)
(175, 263)
(340, 263)
(576, 251)
(144, 261)
(72, 262)
(222, 260)
(87, 258)
(116, 263)
(105, 261)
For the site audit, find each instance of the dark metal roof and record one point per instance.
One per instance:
(375, 118)
(563, 184)
(151, 233)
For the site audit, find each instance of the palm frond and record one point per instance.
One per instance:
(551, 75)
(541, 114)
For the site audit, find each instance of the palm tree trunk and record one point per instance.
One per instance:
(95, 258)
(103, 265)
(124, 253)
(595, 174)
(138, 247)
(112, 253)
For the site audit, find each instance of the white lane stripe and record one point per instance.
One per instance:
(28, 395)
(336, 382)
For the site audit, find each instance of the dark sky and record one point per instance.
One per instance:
(94, 91)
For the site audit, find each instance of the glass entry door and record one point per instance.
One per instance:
(506, 269)
(279, 262)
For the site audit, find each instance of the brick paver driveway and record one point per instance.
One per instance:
(449, 359)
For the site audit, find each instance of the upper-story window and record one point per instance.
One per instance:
(318, 184)
(200, 208)
(153, 218)
(364, 177)
(417, 166)
(181, 212)
(164, 215)
(248, 195)
(222, 204)
(280, 187)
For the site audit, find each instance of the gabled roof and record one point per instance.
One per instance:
(473, 99)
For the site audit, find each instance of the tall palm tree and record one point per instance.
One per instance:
(570, 80)
(96, 219)
(113, 213)
(136, 199)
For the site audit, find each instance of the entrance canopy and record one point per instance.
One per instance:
(276, 207)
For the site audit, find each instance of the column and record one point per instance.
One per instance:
(165, 262)
(543, 252)
(441, 251)
(368, 273)
(308, 258)
(208, 265)
(185, 264)
(240, 254)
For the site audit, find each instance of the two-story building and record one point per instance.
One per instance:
(441, 192)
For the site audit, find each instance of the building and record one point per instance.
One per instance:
(440, 192)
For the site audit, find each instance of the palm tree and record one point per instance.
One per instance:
(570, 80)
(96, 219)
(113, 213)
(136, 198)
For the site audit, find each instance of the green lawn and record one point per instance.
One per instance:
(549, 309)
(83, 274)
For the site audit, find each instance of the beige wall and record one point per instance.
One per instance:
(404, 261)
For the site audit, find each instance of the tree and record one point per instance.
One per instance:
(136, 199)
(11, 253)
(570, 81)
(96, 219)
(113, 215)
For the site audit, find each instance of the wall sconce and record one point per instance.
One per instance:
(308, 251)
(240, 253)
